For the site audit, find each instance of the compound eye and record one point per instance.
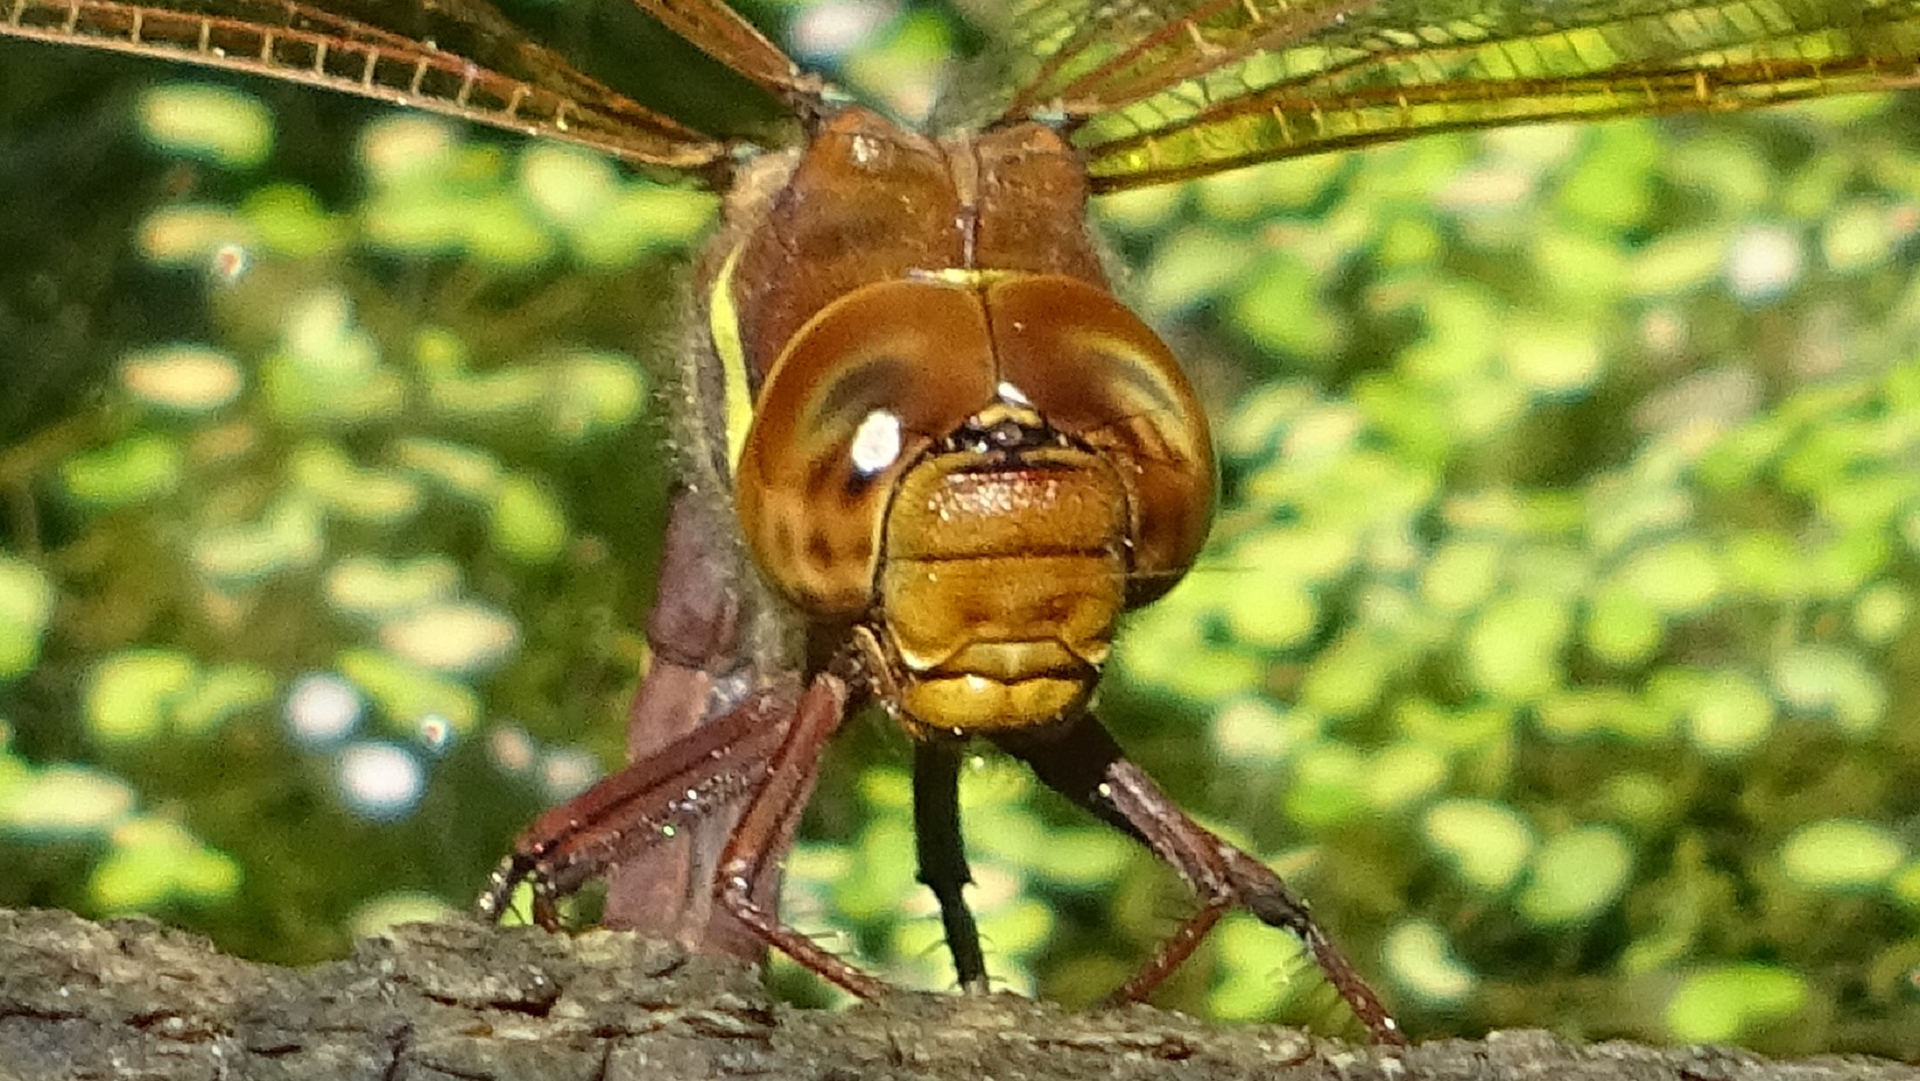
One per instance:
(1100, 374)
(861, 390)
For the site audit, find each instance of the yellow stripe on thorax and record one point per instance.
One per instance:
(723, 323)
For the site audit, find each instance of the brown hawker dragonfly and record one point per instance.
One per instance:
(913, 336)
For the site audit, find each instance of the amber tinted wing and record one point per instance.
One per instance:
(1161, 90)
(460, 58)
(720, 32)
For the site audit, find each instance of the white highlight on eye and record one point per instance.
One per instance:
(1012, 394)
(876, 443)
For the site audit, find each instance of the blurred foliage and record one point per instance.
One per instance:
(1557, 637)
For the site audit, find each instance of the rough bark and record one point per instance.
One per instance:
(134, 999)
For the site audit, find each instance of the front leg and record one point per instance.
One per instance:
(645, 806)
(1086, 765)
(943, 857)
(765, 833)
(703, 725)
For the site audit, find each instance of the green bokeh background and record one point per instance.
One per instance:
(1557, 638)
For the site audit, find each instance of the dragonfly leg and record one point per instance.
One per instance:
(699, 670)
(1087, 766)
(765, 832)
(1081, 765)
(644, 805)
(943, 857)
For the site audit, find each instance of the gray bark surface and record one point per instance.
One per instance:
(133, 999)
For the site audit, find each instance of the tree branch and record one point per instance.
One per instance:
(134, 999)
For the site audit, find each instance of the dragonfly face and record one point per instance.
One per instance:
(1146, 93)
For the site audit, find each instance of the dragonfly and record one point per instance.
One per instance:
(951, 458)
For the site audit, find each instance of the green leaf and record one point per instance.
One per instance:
(1424, 963)
(1487, 843)
(27, 598)
(1841, 854)
(526, 522)
(1575, 876)
(1724, 1003)
(212, 123)
(1513, 649)
(137, 469)
(130, 695)
(64, 801)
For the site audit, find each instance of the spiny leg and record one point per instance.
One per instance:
(1253, 883)
(1079, 763)
(716, 765)
(766, 831)
(942, 853)
(1265, 894)
(1086, 765)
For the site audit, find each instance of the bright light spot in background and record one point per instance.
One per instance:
(1422, 960)
(230, 263)
(510, 748)
(436, 734)
(182, 236)
(1763, 263)
(27, 599)
(567, 772)
(323, 709)
(321, 332)
(830, 31)
(877, 49)
(380, 780)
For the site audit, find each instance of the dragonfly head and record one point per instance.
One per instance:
(985, 472)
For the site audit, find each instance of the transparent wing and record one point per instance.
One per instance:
(459, 58)
(1159, 90)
